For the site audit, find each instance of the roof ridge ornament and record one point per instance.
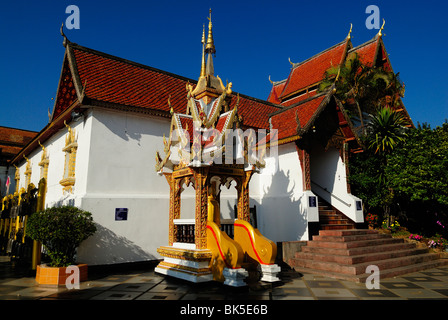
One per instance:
(292, 63)
(349, 36)
(66, 41)
(381, 29)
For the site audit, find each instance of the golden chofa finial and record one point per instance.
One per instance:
(349, 36)
(210, 47)
(381, 29)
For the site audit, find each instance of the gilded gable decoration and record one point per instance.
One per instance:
(28, 171)
(71, 146)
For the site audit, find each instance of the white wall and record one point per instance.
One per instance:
(282, 215)
(329, 181)
(121, 174)
(54, 146)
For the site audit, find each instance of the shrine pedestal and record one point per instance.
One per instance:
(235, 277)
(187, 264)
(269, 272)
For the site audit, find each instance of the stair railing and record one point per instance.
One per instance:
(331, 194)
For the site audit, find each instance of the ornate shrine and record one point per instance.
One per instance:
(207, 149)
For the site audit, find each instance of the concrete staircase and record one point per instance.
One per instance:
(345, 254)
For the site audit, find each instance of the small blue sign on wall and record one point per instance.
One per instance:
(121, 214)
(312, 201)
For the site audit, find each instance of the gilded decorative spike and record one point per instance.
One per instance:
(381, 29)
(210, 47)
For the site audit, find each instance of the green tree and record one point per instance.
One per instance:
(384, 132)
(61, 230)
(417, 171)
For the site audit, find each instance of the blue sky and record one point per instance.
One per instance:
(254, 39)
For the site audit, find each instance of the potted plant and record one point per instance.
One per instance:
(60, 230)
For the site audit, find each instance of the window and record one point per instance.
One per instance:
(68, 180)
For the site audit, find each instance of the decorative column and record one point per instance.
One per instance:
(174, 206)
(243, 196)
(304, 158)
(201, 210)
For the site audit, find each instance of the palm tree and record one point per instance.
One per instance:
(386, 129)
(362, 89)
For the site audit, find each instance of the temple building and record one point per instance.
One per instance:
(149, 153)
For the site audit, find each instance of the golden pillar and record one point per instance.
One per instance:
(41, 193)
(201, 210)
(174, 206)
(243, 196)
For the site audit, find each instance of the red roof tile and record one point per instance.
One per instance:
(312, 70)
(366, 52)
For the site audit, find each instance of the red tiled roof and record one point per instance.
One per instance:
(285, 121)
(254, 113)
(117, 81)
(366, 52)
(312, 70)
(297, 99)
(277, 88)
(13, 140)
(114, 80)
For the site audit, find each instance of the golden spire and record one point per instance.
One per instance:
(210, 47)
(203, 53)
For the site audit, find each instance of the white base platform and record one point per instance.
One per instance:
(269, 272)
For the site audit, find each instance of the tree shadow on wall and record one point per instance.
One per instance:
(106, 247)
(281, 214)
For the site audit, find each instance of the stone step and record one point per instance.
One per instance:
(336, 226)
(334, 221)
(351, 232)
(355, 259)
(353, 244)
(356, 237)
(383, 274)
(359, 250)
(360, 268)
(345, 254)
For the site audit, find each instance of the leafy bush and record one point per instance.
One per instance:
(61, 230)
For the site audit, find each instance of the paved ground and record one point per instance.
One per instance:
(16, 284)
